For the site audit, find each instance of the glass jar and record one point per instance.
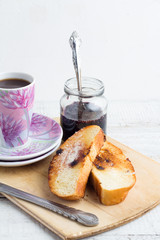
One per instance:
(80, 109)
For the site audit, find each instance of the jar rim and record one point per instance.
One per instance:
(91, 87)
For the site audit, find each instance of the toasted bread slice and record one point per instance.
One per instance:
(112, 175)
(70, 168)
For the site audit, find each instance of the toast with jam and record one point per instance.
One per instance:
(70, 167)
(112, 175)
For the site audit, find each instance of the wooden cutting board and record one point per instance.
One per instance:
(33, 179)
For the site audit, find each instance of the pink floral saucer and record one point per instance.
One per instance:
(24, 162)
(44, 135)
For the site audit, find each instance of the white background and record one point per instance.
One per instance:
(121, 44)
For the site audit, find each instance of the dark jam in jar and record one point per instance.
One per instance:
(79, 115)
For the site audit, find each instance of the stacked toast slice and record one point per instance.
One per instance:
(112, 175)
(88, 153)
(70, 168)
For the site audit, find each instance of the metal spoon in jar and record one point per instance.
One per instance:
(75, 43)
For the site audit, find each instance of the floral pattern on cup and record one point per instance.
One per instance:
(10, 129)
(14, 99)
(15, 115)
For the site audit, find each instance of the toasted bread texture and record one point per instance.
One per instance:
(112, 175)
(70, 168)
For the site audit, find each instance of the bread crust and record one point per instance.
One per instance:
(75, 157)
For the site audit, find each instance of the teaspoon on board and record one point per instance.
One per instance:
(85, 218)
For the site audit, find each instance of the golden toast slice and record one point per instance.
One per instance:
(112, 175)
(70, 168)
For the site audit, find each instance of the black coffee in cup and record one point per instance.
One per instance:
(13, 83)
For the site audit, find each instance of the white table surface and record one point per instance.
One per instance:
(134, 123)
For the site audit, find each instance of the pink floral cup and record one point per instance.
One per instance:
(15, 110)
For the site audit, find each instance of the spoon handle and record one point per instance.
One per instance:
(87, 219)
(75, 43)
